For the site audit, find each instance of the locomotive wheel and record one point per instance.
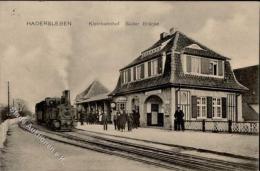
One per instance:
(56, 125)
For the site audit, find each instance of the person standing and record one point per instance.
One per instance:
(134, 119)
(115, 119)
(81, 118)
(179, 121)
(129, 121)
(104, 119)
(138, 117)
(122, 120)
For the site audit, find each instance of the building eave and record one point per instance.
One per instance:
(208, 88)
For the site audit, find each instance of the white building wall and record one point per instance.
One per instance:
(239, 108)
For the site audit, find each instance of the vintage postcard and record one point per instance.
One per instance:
(123, 86)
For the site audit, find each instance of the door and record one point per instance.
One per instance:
(155, 111)
(160, 119)
(149, 119)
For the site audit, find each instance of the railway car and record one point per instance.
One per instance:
(56, 113)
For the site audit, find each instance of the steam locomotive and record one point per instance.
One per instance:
(56, 113)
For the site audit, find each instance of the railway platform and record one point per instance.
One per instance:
(224, 144)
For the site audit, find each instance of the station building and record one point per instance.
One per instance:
(179, 71)
(94, 100)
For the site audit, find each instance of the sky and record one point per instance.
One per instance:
(41, 61)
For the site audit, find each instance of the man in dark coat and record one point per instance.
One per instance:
(136, 118)
(81, 118)
(179, 122)
(130, 121)
(122, 120)
(104, 120)
(115, 119)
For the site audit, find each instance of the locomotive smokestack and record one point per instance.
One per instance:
(66, 95)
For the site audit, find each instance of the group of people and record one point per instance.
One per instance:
(89, 118)
(121, 119)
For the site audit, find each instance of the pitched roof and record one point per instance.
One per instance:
(103, 96)
(248, 113)
(94, 89)
(176, 77)
(182, 46)
(184, 41)
(167, 47)
(249, 76)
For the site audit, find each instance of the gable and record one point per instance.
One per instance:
(194, 46)
(184, 43)
(94, 89)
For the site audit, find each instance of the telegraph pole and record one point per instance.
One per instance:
(8, 91)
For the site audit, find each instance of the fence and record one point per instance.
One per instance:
(223, 126)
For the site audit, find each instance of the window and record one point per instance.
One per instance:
(124, 78)
(213, 67)
(134, 73)
(120, 105)
(195, 65)
(138, 72)
(129, 75)
(202, 107)
(203, 66)
(153, 67)
(231, 104)
(216, 107)
(184, 103)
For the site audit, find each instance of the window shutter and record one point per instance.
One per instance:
(188, 63)
(205, 66)
(224, 107)
(220, 68)
(142, 71)
(209, 107)
(160, 65)
(194, 106)
(129, 75)
(149, 68)
(122, 77)
(134, 73)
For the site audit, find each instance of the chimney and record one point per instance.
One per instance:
(66, 95)
(163, 35)
(172, 30)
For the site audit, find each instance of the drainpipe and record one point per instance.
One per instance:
(176, 95)
(237, 94)
(176, 104)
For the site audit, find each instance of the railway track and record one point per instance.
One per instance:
(143, 153)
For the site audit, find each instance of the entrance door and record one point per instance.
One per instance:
(160, 119)
(155, 111)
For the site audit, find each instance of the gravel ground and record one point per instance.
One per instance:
(24, 152)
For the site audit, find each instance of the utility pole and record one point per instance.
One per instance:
(8, 91)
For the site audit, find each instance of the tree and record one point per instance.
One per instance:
(4, 113)
(22, 107)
